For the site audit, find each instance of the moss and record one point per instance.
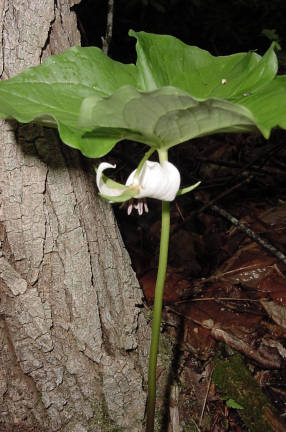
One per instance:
(233, 379)
(164, 380)
(166, 350)
(102, 420)
(159, 419)
(192, 427)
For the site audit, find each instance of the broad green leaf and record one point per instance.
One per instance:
(165, 117)
(166, 61)
(268, 105)
(214, 90)
(52, 92)
(93, 144)
(174, 93)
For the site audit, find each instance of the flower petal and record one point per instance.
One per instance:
(102, 182)
(160, 181)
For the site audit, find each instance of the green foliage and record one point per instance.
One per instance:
(175, 92)
(230, 403)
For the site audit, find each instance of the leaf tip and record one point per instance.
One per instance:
(275, 46)
(132, 33)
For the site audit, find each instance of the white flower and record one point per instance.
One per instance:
(160, 181)
(155, 180)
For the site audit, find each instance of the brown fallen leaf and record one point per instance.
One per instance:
(174, 286)
(276, 311)
(273, 285)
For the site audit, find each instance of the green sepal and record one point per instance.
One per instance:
(126, 196)
(111, 183)
(185, 190)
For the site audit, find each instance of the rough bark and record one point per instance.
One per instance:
(72, 333)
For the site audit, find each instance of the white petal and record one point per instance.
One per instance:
(157, 181)
(102, 186)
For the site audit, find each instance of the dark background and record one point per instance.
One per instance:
(220, 26)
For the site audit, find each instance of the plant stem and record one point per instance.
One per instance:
(157, 313)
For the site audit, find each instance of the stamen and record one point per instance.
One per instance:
(141, 206)
(130, 208)
(145, 206)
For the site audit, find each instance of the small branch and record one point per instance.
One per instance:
(256, 237)
(223, 194)
(109, 24)
(215, 298)
(206, 396)
(243, 347)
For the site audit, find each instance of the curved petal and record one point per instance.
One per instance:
(156, 181)
(101, 181)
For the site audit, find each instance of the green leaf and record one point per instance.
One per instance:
(268, 105)
(213, 99)
(162, 118)
(166, 61)
(174, 93)
(52, 93)
(230, 403)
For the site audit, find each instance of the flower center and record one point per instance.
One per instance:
(134, 187)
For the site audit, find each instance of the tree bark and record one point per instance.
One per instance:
(73, 338)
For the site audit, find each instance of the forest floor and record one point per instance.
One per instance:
(225, 294)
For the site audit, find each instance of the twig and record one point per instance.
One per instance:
(215, 299)
(206, 396)
(256, 237)
(208, 204)
(243, 347)
(109, 24)
(197, 427)
(223, 194)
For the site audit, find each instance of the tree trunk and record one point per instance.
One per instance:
(73, 337)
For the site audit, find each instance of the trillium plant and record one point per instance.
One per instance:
(174, 93)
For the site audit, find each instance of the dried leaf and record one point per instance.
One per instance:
(276, 311)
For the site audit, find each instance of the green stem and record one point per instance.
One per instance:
(157, 310)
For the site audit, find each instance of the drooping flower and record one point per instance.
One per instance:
(155, 180)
